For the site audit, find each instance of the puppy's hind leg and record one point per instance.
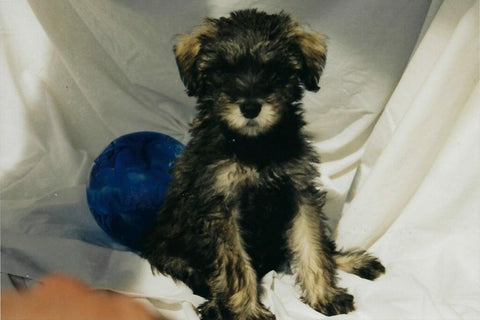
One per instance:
(359, 262)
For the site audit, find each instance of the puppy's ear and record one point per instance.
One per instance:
(187, 52)
(313, 53)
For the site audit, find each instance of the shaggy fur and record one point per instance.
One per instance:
(243, 200)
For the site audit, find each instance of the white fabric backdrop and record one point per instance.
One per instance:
(77, 74)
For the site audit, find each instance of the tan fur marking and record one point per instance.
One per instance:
(267, 117)
(359, 262)
(349, 261)
(230, 175)
(309, 265)
(313, 46)
(188, 47)
(244, 300)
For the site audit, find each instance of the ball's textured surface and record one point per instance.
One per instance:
(128, 182)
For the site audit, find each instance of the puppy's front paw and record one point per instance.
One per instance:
(210, 311)
(262, 314)
(337, 303)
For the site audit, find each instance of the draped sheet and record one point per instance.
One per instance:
(396, 123)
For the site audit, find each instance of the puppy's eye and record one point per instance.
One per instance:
(232, 93)
(222, 75)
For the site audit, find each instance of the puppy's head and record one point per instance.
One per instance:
(250, 67)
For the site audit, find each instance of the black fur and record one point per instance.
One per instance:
(243, 199)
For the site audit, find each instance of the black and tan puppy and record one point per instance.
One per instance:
(243, 199)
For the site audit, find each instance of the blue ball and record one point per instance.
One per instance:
(128, 182)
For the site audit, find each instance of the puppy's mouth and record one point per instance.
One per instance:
(251, 120)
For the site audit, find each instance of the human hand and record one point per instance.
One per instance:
(61, 297)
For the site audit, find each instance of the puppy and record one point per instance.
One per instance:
(243, 198)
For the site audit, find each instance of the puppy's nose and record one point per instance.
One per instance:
(250, 108)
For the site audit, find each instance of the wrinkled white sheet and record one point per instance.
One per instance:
(77, 74)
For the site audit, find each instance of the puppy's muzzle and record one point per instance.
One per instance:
(250, 109)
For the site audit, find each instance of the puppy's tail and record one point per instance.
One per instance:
(360, 263)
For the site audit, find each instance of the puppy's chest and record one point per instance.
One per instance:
(262, 198)
(252, 191)
(267, 194)
(265, 203)
(234, 180)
